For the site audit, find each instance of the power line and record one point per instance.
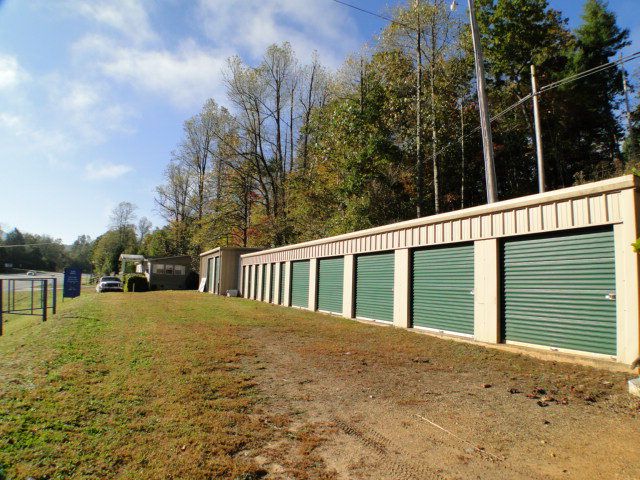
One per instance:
(591, 71)
(571, 78)
(369, 12)
(556, 84)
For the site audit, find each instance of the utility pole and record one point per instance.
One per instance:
(419, 163)
(485, 119)
(536, 121)
(462, 154)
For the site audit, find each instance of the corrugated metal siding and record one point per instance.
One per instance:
(442, 285)
(300, 284)
(555, 290)
(374, 286)
(330, 284)
(590, 205)
(272, 276)
(281, 283)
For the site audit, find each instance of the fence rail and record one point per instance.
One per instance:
(27, 296)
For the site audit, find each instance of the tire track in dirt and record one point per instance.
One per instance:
(379, 444)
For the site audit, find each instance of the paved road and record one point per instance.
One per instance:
(26, 285)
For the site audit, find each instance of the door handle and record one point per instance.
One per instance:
(610, 296)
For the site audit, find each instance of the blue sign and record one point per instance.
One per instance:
(72, 282)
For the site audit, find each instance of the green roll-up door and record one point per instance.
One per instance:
(442, 289)
(281, 283)
(559, 291)
(374, 287)
(330, 284)
(272, 275)
(216, 275)
(265, 275)
(300, 284)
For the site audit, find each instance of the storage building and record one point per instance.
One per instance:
(554, 270)
(220, 268)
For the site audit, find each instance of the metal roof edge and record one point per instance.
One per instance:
(248, 249)
(603, 186)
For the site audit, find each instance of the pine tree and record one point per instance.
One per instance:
(596, 128)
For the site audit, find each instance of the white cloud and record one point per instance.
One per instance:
(187, 72)
(127, 17)
(187, 76)
(106, 171)
(252, 25)
(89, 109)
(11, 74)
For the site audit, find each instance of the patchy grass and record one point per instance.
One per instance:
(185, 385)
(118, 385)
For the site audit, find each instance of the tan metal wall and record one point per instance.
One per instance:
(576, 207)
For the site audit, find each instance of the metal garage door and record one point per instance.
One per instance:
(254, 281)
(245, 282)
(300, 284)
(272, 276)
(209, 275)
(559, 291)
(442, 289)
(266, 275)
(281, 283)
(216, 275)
(330, 280)
(374, 287)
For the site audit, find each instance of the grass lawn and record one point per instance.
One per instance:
(117, 386)
(185, 385)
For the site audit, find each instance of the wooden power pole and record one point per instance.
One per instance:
(483, 105)
(419, 164)
(538, 131)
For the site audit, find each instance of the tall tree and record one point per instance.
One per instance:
(432, 34)
(172, 197)
(515, 35)
(599, 39)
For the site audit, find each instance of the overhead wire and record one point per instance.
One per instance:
(545, 88)
(589, 72)
(383, 17)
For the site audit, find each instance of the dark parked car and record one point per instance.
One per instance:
(109, 284)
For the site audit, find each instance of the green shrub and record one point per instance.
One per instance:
(135, 282)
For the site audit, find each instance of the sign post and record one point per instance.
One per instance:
(72, 282)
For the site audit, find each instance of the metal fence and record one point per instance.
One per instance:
(27, 296)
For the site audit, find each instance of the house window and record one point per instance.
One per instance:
(168, 270)
(158, 268)
(179, 270)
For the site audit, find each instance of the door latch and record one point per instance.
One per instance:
(610, 296)
(472, 292)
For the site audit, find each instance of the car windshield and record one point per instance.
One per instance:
(109, 279)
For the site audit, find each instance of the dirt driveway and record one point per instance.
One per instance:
(356, 401)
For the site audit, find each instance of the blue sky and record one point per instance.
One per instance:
(93, 93)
